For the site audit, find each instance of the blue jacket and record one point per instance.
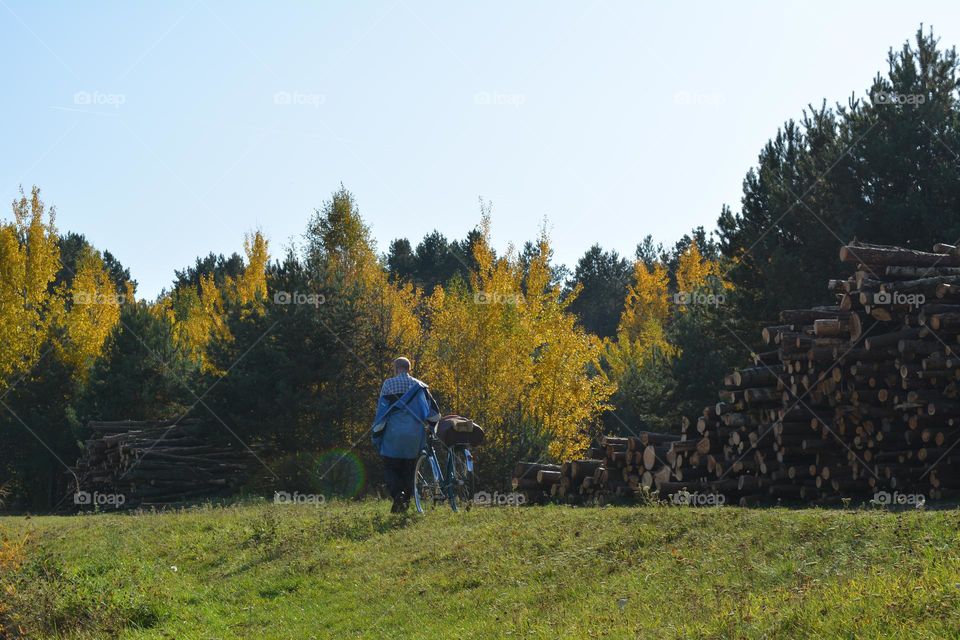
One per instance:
(399, 427)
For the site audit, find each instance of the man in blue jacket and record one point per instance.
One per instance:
(404, 411)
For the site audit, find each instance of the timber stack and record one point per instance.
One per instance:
(133, 464)
(854, 400)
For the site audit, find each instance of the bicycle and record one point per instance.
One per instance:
(453, 482)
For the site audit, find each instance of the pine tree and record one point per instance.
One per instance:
(881, 168)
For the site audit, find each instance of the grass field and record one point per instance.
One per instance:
(353, 570)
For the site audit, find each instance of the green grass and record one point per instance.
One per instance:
(353, 570)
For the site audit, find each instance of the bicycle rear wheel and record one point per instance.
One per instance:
(426, 488)
(463, 484)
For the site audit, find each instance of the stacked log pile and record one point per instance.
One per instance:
(156, 464)
(617, 468)
(854, 400)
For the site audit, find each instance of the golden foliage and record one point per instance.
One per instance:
(507, 344)
(92, 314)
(390, 310)
(198, 318)
(351, 271)
(75, 320)
(643, 339)
(694, 271)
(473, 355)
(647, 299)
(648, 309)
(646, 312)
(392, 326)
(251, 286)
(29, 261)
(198, 315)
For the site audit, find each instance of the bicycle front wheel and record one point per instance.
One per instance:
(463, 485)
(426, 488)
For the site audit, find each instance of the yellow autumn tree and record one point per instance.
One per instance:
(475, 357)
(568, 390)
(198, 317)
(645, 359)
(29, 261)
(506, 347)
(649, 306)
(641, 344)
(343, 253)
(198, 314)
(251, 285)
(695, 272)
(647, 311)
(92, 312)
(248, 290)
(390, 310)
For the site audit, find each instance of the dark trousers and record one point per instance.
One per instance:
(398, 474)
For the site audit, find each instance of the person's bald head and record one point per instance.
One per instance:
(401, 365)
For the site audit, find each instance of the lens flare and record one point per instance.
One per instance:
(340, 473)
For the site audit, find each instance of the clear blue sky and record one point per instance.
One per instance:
(165, 130)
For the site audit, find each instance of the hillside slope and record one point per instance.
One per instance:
(352, 570)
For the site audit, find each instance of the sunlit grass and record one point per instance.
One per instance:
(353, 570)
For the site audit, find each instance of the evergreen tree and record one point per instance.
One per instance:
(881, 168)
(400, 260)
(603, 277)
(142, 374)
(219, 267)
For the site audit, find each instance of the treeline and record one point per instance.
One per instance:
(285, 352)
(286, 355)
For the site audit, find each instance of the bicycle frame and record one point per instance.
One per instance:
(444, 481)
(434, 463)
(469, 458)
